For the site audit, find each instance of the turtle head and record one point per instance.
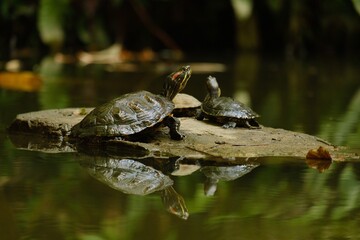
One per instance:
(213, 87)
(176, 82)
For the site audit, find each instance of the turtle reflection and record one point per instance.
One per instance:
(214, 174)
(174, 203)
(133, 177)
(129, 176)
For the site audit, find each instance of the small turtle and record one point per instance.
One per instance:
(133, 113)
(225, 110)
(186, 105)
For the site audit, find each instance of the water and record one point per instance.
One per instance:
(45, 195)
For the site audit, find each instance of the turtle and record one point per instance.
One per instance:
(186, 105)
(226, 110)
(133, 114)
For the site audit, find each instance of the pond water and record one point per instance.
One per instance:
(63, 196)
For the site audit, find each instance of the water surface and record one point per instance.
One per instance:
(46, 195)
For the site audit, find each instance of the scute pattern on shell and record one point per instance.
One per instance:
(129, 114)
(228, 107)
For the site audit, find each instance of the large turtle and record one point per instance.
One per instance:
(225, 110)
(133, 113)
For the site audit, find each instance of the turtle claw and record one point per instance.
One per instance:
(177, 136)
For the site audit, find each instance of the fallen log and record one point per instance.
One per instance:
(48, 130)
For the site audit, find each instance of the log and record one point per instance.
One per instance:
(47, 130)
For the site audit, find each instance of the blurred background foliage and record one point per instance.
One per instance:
(295, 28)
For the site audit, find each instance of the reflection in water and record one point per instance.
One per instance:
(174, 203)
(133, 177)
(148, 175)
(320, 165)
(128, 176)
(182, 168)
(348, 124)
(46, 195)
(214, 174)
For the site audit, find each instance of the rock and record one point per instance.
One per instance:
(45, 130)
(55, 123)
(204, 140)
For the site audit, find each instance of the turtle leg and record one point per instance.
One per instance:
(229, 125)
(252, 124)
(200, 115)
(174, 125)
(119, 138)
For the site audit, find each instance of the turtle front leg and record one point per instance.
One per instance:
(229, 125)
(174, 125)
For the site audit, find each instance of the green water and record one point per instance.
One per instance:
(53, 196)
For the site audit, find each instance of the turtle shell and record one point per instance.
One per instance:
(183, 100)
(126, 115)
(228, 108)
(186, 105)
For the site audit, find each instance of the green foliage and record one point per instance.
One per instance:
(357, 5)
(275, 5)
(242, 8)
(52, 94)
(50, 21)
(10, 9)
(67, 25)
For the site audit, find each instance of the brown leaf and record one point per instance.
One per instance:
(321, 153)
